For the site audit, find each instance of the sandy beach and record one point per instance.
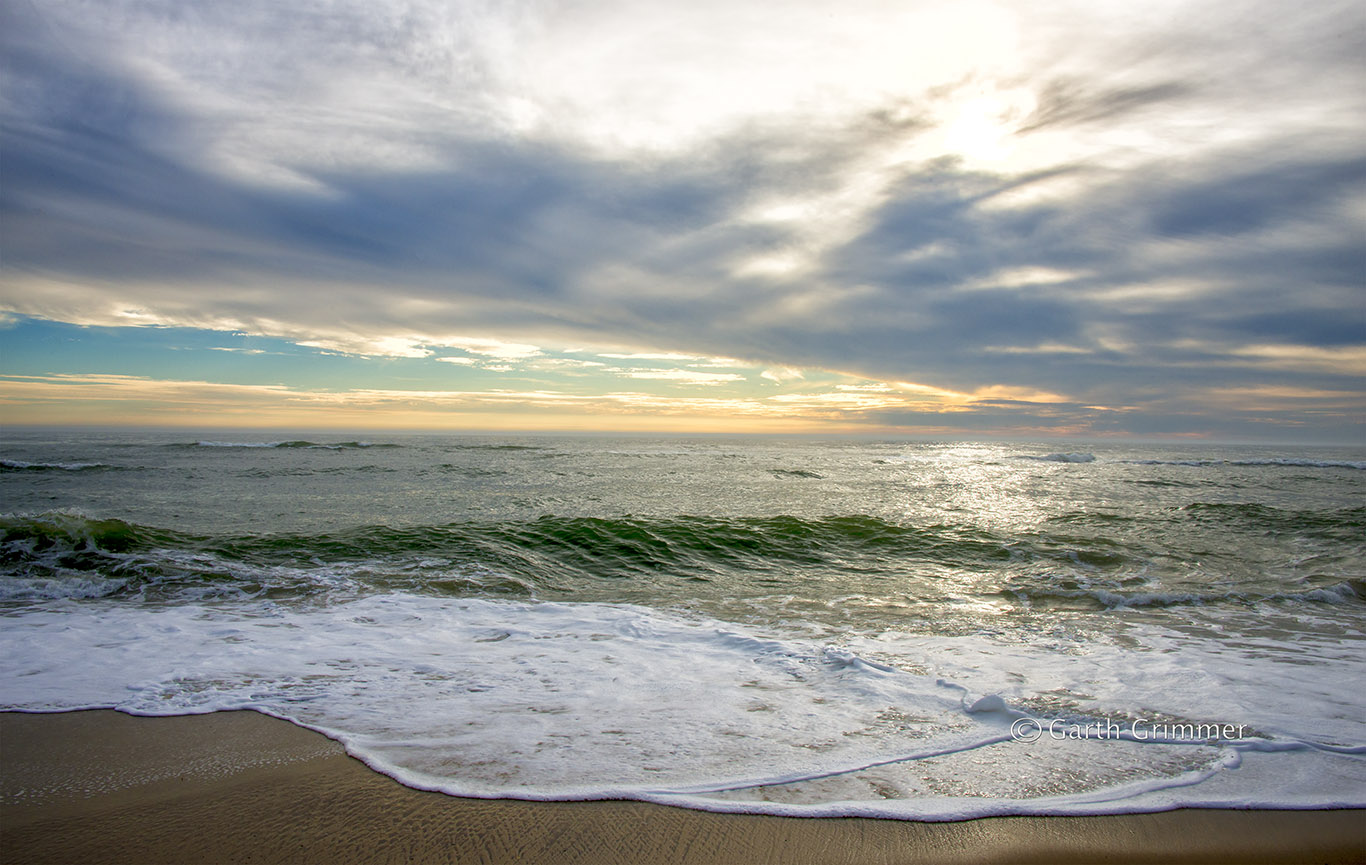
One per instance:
(101, 786)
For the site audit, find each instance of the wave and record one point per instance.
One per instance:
(672, 559)
(76, 532)
(471, 471)
(64, 555)
(1157, 482)
(1269, 462)
(287, 444)
(1345, 592)
(68, 555)
(1347, 525)
(548, 554)
(795, 473)
(22, 466)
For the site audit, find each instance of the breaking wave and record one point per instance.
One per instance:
(22, 466)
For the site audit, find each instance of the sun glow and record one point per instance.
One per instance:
(982, 127)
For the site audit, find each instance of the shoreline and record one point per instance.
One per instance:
(101, 786)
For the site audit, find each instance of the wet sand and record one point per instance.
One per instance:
(100, 786)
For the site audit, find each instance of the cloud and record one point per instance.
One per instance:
(1069, 103)
(490, 347)
(782, 374)
(1060, 206)
(684, 376)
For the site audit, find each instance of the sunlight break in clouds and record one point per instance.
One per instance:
(1030, 206)
(59, 399)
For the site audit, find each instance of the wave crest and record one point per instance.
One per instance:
(302, 444)
(22, 466)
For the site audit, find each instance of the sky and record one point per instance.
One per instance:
(969, 219)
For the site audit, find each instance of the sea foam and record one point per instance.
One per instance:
(591, 700)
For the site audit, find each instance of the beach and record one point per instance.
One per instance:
(101, 786)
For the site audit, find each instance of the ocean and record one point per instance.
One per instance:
(798, 626)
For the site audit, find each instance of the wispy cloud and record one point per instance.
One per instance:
(687, 376)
